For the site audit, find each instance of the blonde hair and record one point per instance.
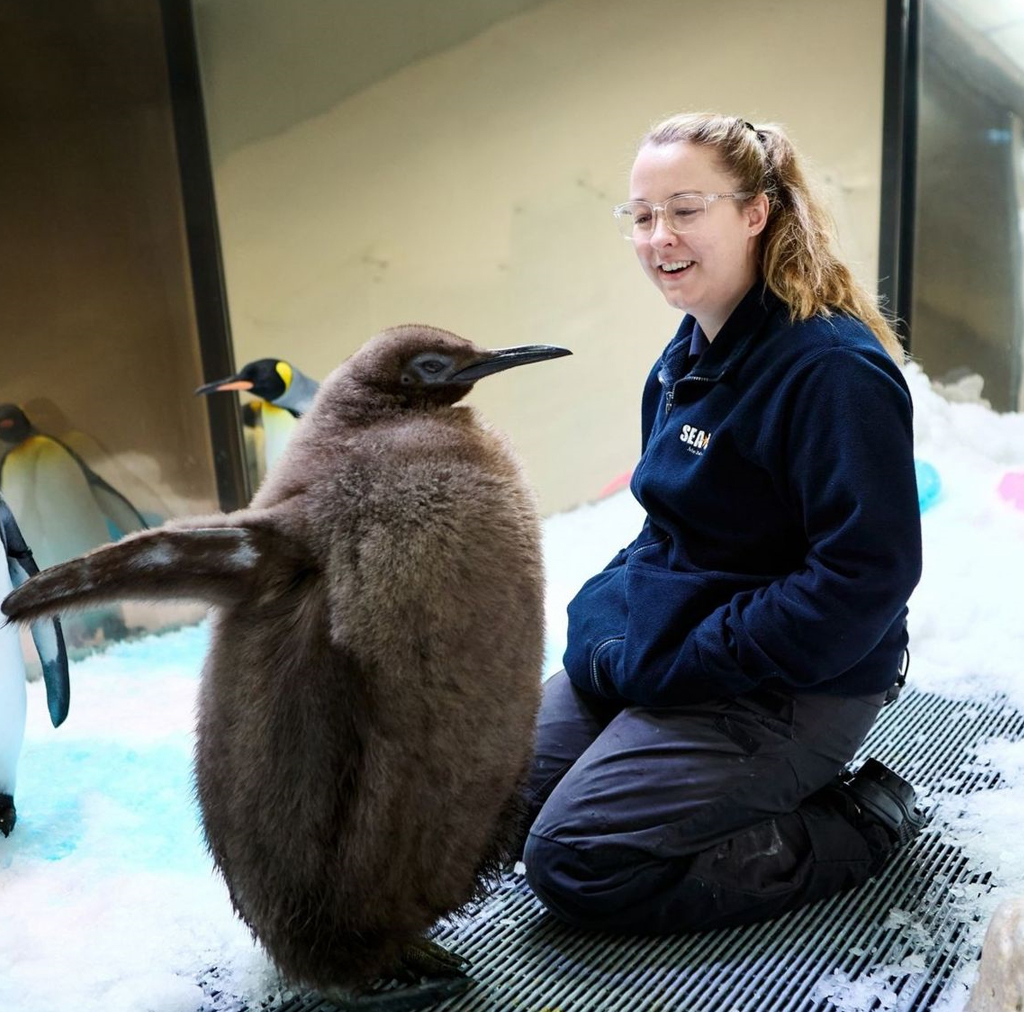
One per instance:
(799, 259)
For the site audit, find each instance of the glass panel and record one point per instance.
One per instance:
(100, 351)
(968, 297)
(456, 164)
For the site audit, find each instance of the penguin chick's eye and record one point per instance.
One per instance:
(427, 368)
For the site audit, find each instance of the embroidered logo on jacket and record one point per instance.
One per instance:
(696, 439)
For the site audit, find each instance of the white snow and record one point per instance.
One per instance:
(108, 901)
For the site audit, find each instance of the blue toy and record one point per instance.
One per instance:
(929, 486)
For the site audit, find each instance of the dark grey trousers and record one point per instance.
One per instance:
(694, 817)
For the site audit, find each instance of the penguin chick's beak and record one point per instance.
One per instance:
(506, 358)
(225, 384)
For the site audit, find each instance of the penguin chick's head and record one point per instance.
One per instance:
(416, 365)
(15, 427)
(268, 378)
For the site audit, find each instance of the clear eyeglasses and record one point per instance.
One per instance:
(682, 213)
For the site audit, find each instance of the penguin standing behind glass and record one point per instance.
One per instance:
(366, 711)
(49, 642)
(64, 508)
(285, 393)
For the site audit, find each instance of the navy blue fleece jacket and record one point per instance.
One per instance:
(783, 535)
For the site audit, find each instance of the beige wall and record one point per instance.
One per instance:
(472, 190)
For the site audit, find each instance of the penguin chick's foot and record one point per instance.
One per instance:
(409, 998)
(430, 974)
(424, 958)
(8, 816)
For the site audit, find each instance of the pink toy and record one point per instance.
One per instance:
(1011, 488)
(615, 484)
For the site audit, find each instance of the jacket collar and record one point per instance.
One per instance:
(730, 344)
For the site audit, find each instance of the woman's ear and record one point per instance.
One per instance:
(756, 210)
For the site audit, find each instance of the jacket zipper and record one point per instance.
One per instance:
(646, 546)
(594, 678)
(670, 391)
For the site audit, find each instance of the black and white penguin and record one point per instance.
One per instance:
(366, 710)
(63, 506)
(285, 394)
(49, 641)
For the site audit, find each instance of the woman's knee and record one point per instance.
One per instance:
(579, 888)
(629, 896)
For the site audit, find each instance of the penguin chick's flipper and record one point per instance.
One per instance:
(8, 816)
(218, 565)
(46, 633)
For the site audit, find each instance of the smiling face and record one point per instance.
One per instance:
(707, 271)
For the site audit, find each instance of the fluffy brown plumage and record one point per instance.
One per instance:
(367, 704)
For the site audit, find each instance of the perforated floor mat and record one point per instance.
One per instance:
(892, 944)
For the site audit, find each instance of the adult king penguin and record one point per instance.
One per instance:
(285, 393)
(65, 508)
(366, 712)
(49, 642)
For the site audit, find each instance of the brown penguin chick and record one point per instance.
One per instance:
(366, 710)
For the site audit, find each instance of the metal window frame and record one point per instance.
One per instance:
(899, 163)
(204, 251)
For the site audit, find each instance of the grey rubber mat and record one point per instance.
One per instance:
(891, 944)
